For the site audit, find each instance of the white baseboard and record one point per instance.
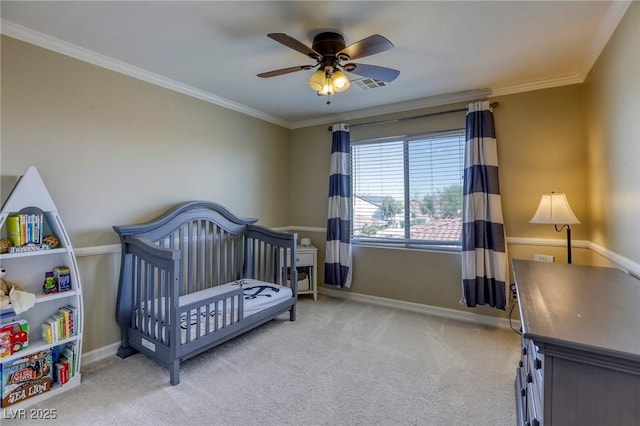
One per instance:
(100, 354)
(424, 309)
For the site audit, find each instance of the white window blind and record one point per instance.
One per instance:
(408, 190)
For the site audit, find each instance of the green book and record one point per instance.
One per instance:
(14, 233)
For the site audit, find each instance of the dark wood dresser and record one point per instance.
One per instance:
(580, 345)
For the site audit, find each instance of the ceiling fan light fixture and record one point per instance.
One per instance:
(340, 81)
(327, 88)
(329, 82)
(317, 80)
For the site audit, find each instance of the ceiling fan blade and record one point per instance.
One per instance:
(284, 71)
(295, 45)
(373, 71)
(366, 47)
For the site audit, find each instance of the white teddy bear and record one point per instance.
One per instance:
(11, 293)
(5, 289)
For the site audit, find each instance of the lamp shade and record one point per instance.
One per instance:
(554, 209)
(340, 81)
(317, 80)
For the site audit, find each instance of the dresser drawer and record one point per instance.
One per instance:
(304, 259)
(535, 362)
(532, 366)
(534, 409)
(521, 397)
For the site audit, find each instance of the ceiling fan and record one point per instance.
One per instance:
(332, 56)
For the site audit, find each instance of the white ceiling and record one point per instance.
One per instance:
(446, 51)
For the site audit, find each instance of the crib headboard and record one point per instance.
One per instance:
(197, 229)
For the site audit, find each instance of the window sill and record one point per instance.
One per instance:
(408, 246)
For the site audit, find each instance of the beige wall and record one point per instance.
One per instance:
(612, 122)
(114, 150)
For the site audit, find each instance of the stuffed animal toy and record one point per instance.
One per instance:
(4, 245)
(52, 240)
(5, 289)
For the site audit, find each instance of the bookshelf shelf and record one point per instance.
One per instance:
(50, 252)
(37, 346)
(41, 298)
(55, 366)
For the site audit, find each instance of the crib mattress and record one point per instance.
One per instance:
(257, 296)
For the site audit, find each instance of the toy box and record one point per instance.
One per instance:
(14, 336)
(26, 377)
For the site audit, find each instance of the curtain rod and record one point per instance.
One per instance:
(415, 117)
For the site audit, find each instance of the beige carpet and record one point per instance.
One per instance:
(340, 363)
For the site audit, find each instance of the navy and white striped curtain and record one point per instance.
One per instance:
(485, 268)
(337, 267)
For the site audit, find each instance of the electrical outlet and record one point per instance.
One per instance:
(543, 258)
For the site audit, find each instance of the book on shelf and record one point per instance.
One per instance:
(65, 362)
(14, 337)
(62, 372)
(13, 230)
(25, 228)
(26, 377)
(61, 325)
(62, 274)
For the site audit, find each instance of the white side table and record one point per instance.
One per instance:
(307, 261)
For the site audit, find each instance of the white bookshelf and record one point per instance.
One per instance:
(28, 269)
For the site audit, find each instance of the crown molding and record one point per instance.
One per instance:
(68, 49)
(537, 85)
(614, 15)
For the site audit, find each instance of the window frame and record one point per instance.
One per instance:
(406, 243)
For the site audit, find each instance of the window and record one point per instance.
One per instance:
(408, 190)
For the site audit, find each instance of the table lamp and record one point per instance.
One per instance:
(554, 209)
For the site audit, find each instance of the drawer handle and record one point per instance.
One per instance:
(538, 364)
(529, 378)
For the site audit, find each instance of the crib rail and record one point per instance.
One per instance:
(152, 287)
(209, 311)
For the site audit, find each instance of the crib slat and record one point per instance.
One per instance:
(227, 250)
(223, 256)
(200, 256)
(136, 292)
(231, 259)
(207, 255)
(167, 305)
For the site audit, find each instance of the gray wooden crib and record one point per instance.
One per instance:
(198, 276)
